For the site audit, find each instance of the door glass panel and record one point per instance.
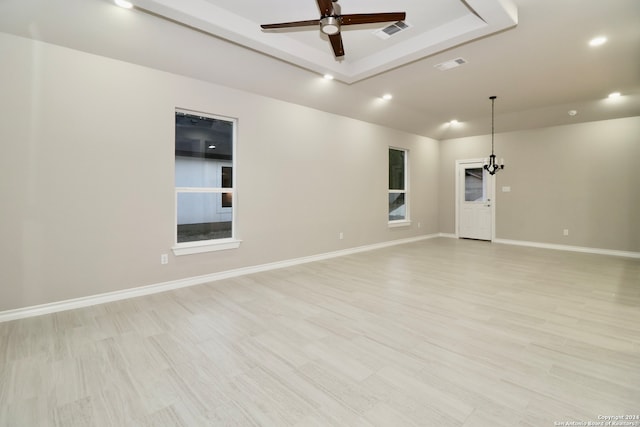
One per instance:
(474, 185)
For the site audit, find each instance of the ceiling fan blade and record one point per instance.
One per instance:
(336, 44)
(325, 6)
(369, 18)
(291, 24)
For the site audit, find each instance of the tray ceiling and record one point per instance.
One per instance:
(435, 26)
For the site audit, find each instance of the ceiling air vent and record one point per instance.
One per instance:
(447, 65)
(392, 30)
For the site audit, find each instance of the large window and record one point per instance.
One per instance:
(204, 180)
(398, 194)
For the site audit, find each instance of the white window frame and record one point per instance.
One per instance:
(406, 221)
(201, 246)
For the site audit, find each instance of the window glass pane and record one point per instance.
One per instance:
(473, 185)
(203, 144)
(396, 169)
(201, 217)
(397, 207)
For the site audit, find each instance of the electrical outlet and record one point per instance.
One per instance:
(565, 232)
(341, 235)
(164, 259)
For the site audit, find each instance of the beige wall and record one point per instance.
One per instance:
(86, 176)
(581, 177)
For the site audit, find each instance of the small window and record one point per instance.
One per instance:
(204, 165)
(398, 202)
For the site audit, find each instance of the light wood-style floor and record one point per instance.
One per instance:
(437, 333)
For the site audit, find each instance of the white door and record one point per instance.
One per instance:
(475, 215)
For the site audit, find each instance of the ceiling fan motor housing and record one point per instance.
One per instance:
(330, 25)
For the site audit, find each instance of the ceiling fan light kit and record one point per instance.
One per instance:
(330, 25)
(331, 20)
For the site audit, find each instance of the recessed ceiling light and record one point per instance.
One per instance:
(597, 41)
(124, 3)
(454, 122)
(572, 112)
(328, 77)
(614, 95)
(387, 96)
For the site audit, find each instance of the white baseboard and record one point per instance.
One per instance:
(21, 313)
(612, 252)
(448, 235)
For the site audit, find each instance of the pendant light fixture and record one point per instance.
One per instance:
(491, 165)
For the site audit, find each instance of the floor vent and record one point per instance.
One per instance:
(392, 30)
(447, 65)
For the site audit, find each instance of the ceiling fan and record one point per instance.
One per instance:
(331, 20)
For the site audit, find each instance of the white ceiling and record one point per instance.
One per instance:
(539, 69)
(435, 25)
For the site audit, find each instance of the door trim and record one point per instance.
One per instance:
(492, 191)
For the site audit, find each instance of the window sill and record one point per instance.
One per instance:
(205, 246)
(394, 224)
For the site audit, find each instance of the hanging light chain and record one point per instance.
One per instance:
(492, 167)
